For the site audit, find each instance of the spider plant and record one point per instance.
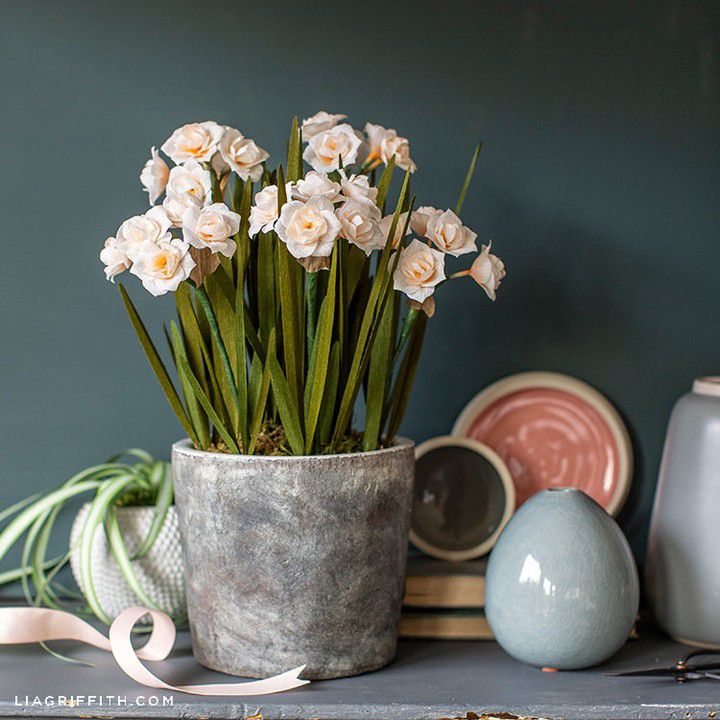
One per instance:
(130, 478)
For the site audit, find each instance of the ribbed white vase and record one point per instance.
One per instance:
(160, 572)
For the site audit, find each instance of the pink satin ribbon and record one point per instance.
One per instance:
(32, 625)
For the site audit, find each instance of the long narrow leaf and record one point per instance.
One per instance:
(286, 406)
(290, 317)
(122, 558)
(327, 411)
(197, 416)
(294, 156)
(157, 365)
(262, 395)
(241, 378)
(468, 178)
(227, 379)
(405, 379)
(384, 185)
(19, 524)
(363, 346)
(378, 371)
(322, 354)
(98, 509)
(207, 406)
(162, 506)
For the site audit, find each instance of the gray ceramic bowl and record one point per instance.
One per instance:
(463, 498)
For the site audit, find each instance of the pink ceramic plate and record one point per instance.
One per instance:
(553, 430)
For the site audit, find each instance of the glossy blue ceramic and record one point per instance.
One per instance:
(562, 588)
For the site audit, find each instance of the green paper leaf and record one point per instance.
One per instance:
(327, 410)
(286, 406)
(226, 377)
(197, 418)
(157, 365)
(262, 395)
(468, 178)
(241, 366)
(368, 328)
(378, 370)
(227, 438)
(384, 185)
(321, 353)
(405, 378)
(294, 155)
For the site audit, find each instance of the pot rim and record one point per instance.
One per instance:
(185, 447)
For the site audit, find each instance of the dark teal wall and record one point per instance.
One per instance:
(598, 184)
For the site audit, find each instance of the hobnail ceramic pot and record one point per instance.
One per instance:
(294, 560)
(160, 572)
(681, 568)
(561, 588)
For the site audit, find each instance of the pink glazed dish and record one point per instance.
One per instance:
(553, 430)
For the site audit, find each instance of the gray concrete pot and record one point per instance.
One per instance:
(293, 560)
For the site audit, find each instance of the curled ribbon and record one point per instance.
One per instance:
(32, 625)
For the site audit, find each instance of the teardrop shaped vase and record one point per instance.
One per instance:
(562, 587)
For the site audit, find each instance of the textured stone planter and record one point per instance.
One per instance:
(293, 560)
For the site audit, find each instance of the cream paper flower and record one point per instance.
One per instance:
(192, 179)
(446, 231)
(194, 141)
(163, 266)
(240, 154)
(114, 257)
(357, 187)
(264, 212)
(420, 218)
(419, 270)
(326, 148)
(154, 176)
(360, 225)
(316, 183)
(176, 205)
(318, 123)
(487, 271)
(211, 227)
(385, 224)
(136, 231)
(385, 143)
(308, 229)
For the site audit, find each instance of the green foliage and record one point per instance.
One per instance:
(139, 481)
(272, 350)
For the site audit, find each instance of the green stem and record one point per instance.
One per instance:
(312, 311)
(408, 325)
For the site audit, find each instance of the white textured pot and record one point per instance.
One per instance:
(160, 572)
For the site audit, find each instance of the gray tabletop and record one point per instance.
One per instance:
(428, 680)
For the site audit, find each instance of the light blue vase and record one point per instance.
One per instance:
(562, 588)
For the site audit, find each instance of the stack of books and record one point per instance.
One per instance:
(444, 600)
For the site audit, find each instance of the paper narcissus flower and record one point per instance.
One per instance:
(305, 261)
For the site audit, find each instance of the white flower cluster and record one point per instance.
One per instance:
(318, 211)
(144, 244)
(328, 203)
